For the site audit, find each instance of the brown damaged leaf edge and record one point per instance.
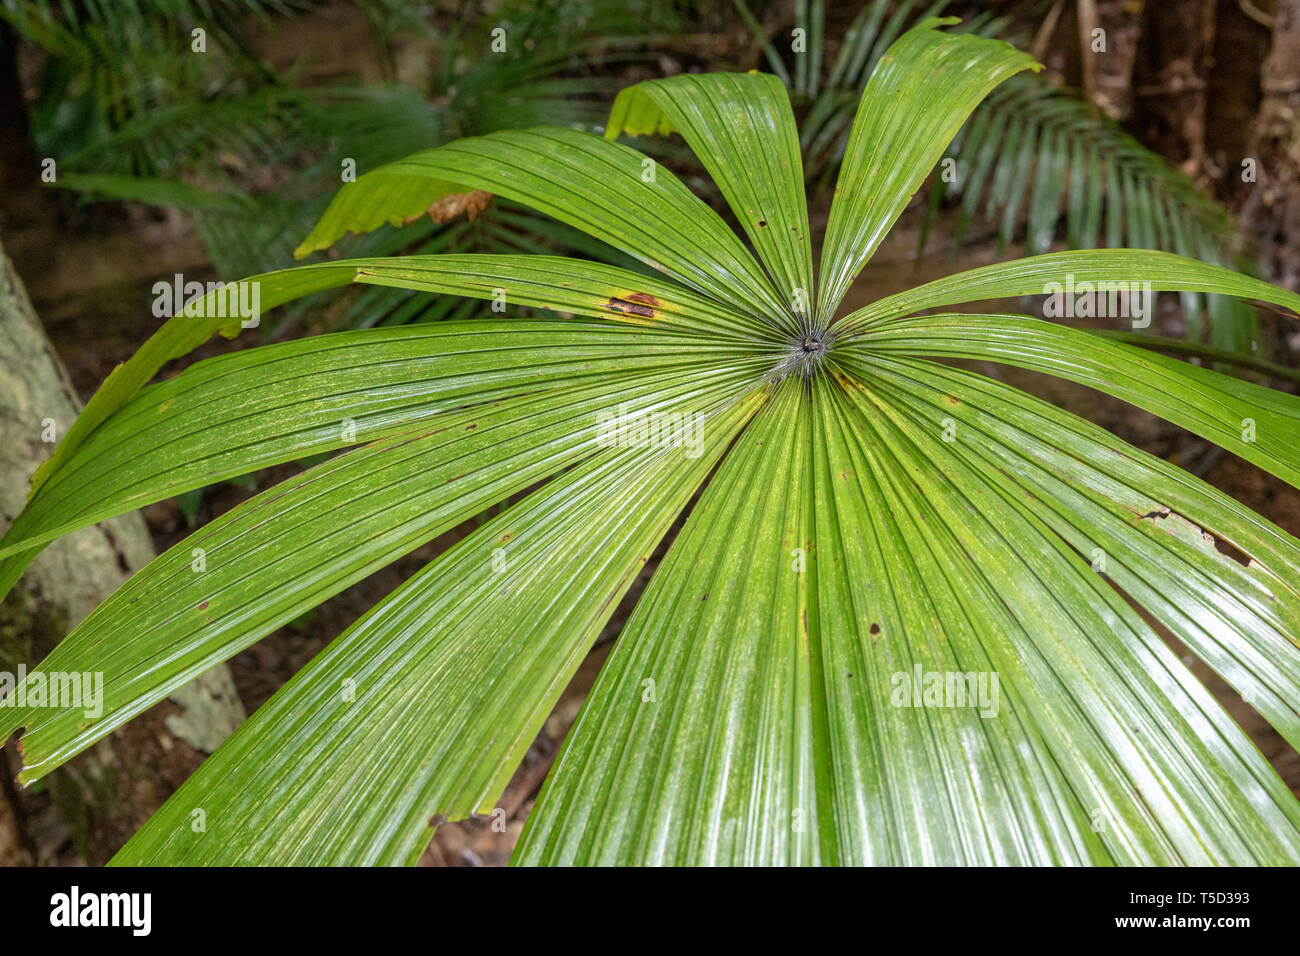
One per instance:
(444, 210)
(635, 304)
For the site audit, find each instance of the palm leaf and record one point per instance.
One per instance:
(395, 495)
(732, 123)
(590, 184)
(806, 661)
(1035, 161)
(900, 132)
(567, 554)
(870, 518)
(123, 466)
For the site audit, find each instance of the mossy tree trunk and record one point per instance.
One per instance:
(88, 808)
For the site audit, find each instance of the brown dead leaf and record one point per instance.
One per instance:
(449, 207)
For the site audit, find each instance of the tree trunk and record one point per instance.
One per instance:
(1272, 211)
(88, 808)
(1170, 80)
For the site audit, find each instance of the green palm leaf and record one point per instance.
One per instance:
(903, 124)
(1162, 271)
(805, 660)
(1034, 160)
(606, 190)
(565, 557)
(267, 561)
(867, 518)
(1257, 423)
(733, 123)
(234, 414)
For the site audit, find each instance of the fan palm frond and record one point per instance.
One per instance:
(1034, 159)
